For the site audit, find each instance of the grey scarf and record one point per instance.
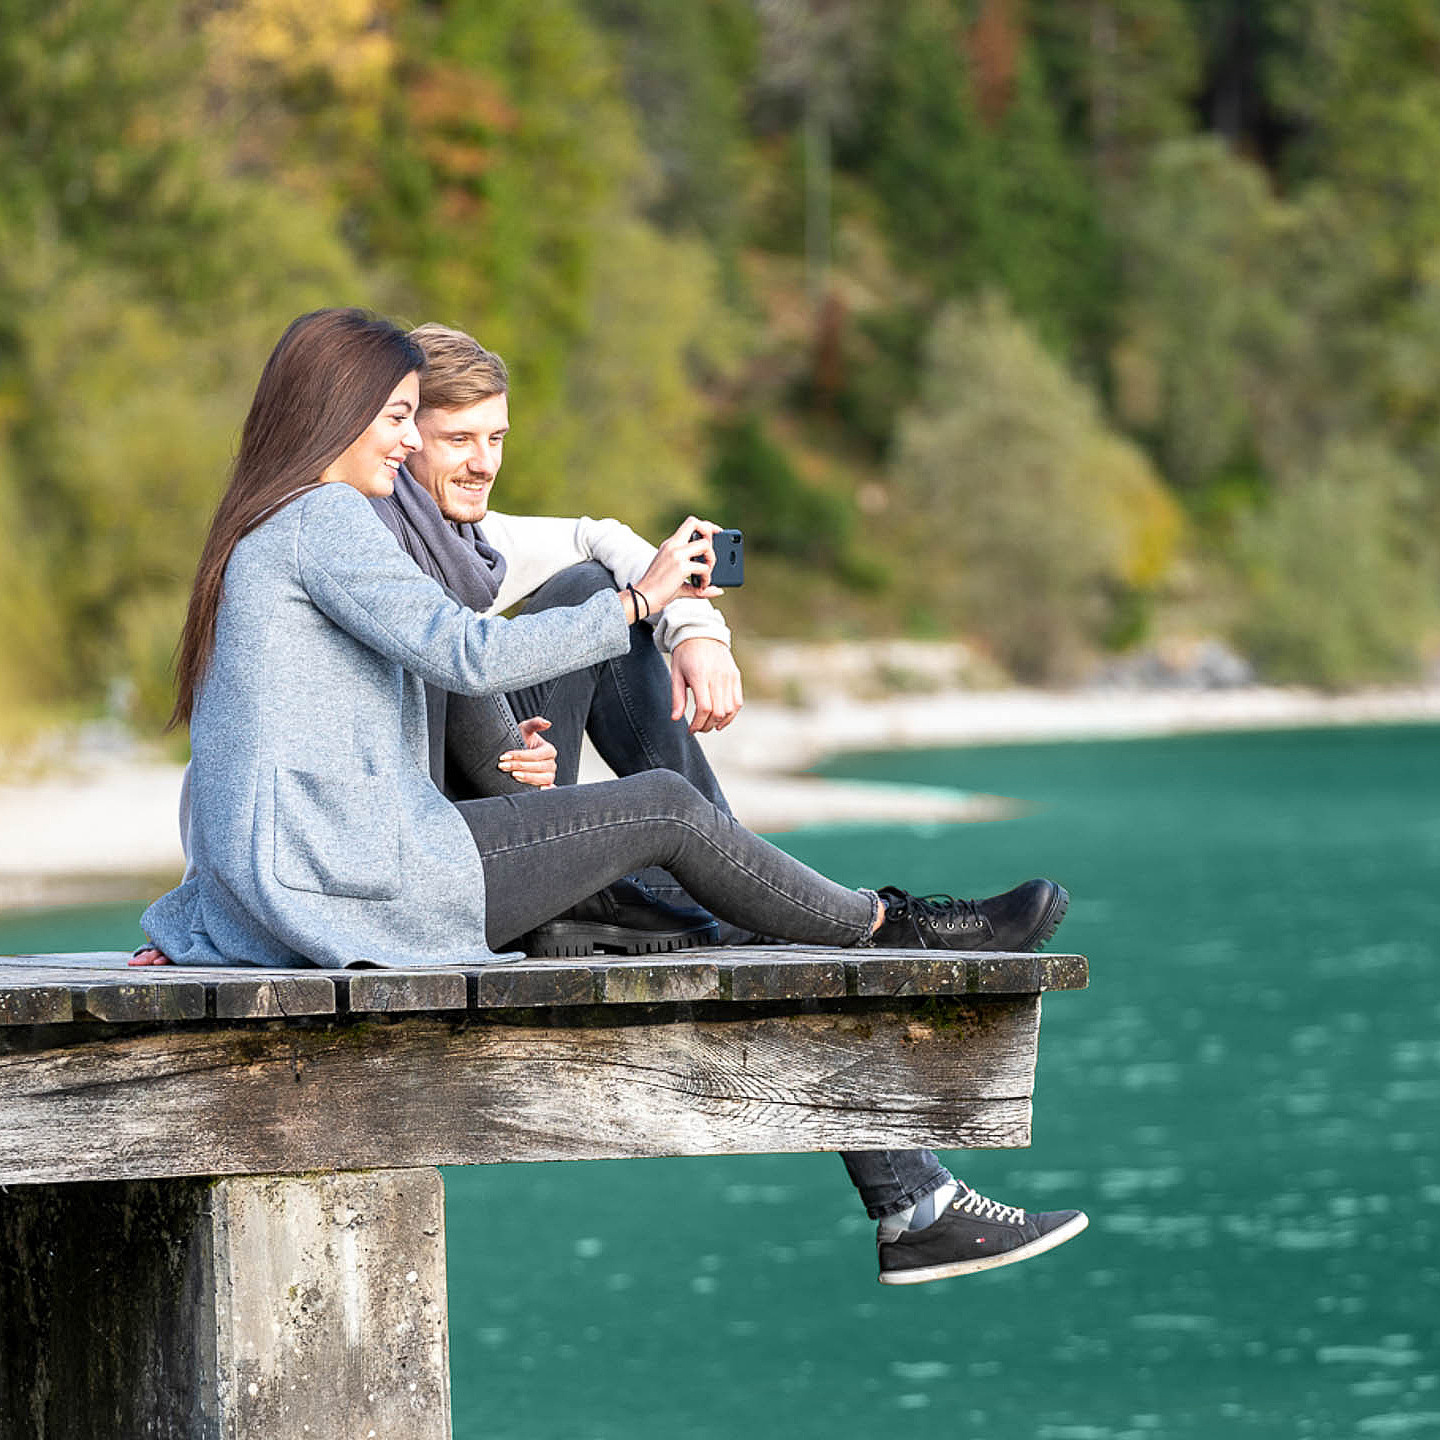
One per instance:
(458, 556)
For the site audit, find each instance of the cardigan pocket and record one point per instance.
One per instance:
(337, 834)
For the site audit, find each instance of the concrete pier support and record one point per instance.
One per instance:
(229, 1309)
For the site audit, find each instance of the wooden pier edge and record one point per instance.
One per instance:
(219, 1212)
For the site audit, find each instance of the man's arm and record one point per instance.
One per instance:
(538, 547)
(693, 632)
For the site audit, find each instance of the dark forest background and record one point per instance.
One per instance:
(1061, 326)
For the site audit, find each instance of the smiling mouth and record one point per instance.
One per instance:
(470, 484)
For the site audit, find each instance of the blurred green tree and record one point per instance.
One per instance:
(685, 69)
(143, 278)
(1027, 520)
(513, 189)
(755, 487)
(1123, 74)
(1360, 81)
(1340, 578)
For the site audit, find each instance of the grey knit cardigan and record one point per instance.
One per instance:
(315, 831)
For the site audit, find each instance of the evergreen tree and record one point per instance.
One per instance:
(965, 148)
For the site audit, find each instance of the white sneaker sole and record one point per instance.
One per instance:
(918, 1276)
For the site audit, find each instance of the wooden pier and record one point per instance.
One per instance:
(219, 1213)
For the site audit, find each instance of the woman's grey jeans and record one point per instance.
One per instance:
(546, 850)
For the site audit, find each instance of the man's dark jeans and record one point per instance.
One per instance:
(623, 704)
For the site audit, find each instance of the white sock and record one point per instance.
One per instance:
(926, 1211)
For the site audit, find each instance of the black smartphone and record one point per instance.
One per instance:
(729, 568)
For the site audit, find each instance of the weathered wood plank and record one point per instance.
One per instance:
(390, 992)
(35, 1004)
(120, 993)
(114, 992)
(534, 983)
(141, 1000)
(883, 973)
(101, 986)
(1005, 974)
(786, 975)
(1065, 972)
(930, 972)
(655, 982)
(272, 997)
(74, 960)
(271, 1097)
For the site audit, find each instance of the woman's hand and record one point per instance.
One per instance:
(535, 764)
(677, 559)
(150, 956)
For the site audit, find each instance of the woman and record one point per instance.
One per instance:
(316, 834)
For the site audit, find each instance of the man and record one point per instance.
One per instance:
(632, 708)
(931, 1225)
(464, 431)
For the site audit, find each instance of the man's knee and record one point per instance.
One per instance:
(671, 794)
(572, 586)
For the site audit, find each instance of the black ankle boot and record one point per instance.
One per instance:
(626, 918)
(1022, 919)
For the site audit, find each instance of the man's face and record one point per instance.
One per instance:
(461, 456)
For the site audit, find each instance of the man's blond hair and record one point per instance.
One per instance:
(459, 371)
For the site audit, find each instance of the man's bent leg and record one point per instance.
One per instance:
(623, 704)
(474, 732)
(626, 699)
(468, 734)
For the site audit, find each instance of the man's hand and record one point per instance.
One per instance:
(707, 669)
(679, 559)
(535, 764)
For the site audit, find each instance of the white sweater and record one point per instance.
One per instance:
(538, 547)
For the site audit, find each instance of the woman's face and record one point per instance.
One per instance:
(372, 459)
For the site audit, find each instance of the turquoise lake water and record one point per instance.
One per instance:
(1246, 1101)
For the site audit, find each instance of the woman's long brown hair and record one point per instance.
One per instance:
(325, 381)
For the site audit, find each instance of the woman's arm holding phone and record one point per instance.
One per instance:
(356, 575)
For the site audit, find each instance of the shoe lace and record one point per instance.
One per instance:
(943, 910)
(985, 1209)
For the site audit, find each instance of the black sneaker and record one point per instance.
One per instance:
(1022, 919)
(974, 1233)
(625, 918)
